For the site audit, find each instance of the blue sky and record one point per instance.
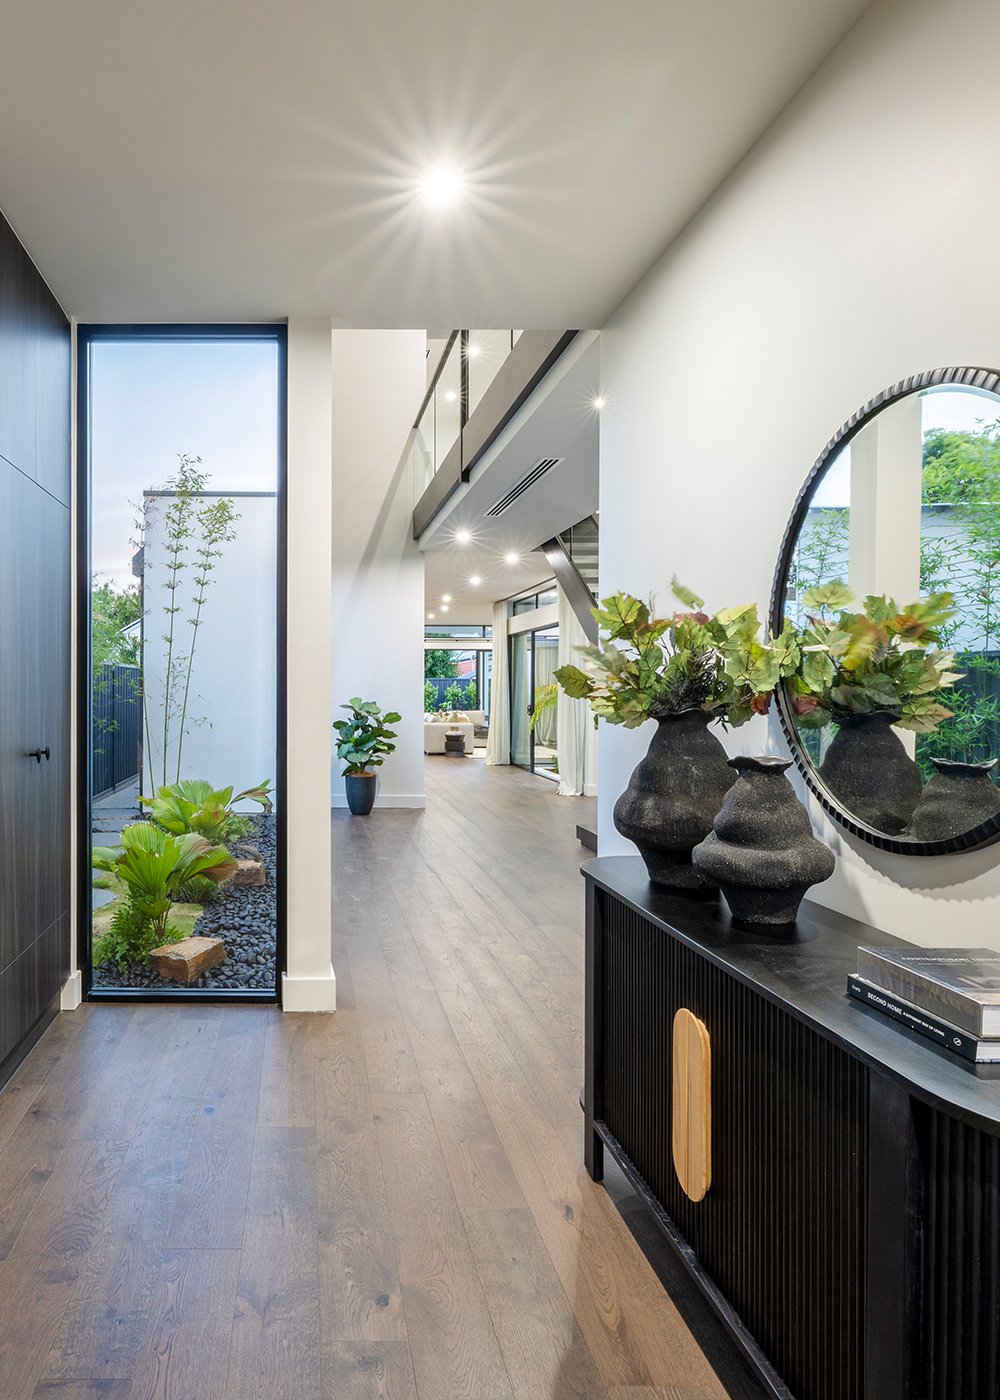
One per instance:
(152, 400)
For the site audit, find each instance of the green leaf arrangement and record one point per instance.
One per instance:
(882, 659)
(645, 667)
(194, 805)
(365, 738)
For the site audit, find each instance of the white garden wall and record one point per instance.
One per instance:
(231, 732)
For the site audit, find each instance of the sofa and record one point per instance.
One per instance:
(435, 728)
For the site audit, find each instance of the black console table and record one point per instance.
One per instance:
(850, 1238)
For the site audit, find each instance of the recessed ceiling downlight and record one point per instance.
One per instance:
(442, 186)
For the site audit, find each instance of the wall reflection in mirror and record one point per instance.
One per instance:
(901, 733)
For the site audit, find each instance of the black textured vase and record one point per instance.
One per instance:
(360, 792)
(672, 797)
(762, 852)
(870, 773)
(959, 797)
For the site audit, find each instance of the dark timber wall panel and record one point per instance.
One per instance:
(782, 1232)
(34, 645)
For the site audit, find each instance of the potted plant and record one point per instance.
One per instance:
(870, 673)
(684, 671)
(363, 744)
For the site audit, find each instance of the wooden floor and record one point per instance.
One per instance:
(226, 1203)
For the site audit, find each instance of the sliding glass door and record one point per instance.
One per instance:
(534, 657)
(182, 473)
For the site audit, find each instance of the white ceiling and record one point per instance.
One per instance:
(213, 160)
(559, 420)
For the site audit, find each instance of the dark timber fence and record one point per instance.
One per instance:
(115, 730)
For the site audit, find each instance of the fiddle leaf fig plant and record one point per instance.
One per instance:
(365, 738)
(884, 658)
(645, 667)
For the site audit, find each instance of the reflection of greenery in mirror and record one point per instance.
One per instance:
(959, 552)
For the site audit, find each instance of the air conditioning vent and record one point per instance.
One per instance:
(528, 480)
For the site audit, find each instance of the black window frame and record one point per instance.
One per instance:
(86, 337)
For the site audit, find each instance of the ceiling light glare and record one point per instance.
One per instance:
(511, 557)
(444, 607)
(450, 396)
(442, 187)
(475, 580)
(463, 536)
(598, 403)
(446, 597)
(471, 351)
(430, 617)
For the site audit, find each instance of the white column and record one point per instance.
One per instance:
(886, 494)
(309, 983)
(885, 503)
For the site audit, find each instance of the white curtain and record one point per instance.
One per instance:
(498, 740)
(572, 716)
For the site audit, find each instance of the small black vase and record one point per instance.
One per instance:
(360, 792)
(762, 852)
(959, 797)
(672, 797)
(869, 772)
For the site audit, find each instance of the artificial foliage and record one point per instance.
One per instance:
(364, 740)
(647, 667)
(885, 658)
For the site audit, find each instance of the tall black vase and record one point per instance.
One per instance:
(672, 797)
(761, 851)
(870, 773)
(959, 797)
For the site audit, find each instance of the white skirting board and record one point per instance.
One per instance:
(71, 995)
(415, 800)
(309, 993)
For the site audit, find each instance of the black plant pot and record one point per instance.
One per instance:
(672, 797)
(959, 797)
(761, 851)
(360, 792)
(870, 773)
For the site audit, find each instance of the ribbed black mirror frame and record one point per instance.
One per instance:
(983, 835)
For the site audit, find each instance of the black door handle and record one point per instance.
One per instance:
(37, 754)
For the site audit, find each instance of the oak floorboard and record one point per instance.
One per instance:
(368, 1371)
(211, 1202)
(274, 1350)
(38, 1277)
(546, 1354)
(184, 1352)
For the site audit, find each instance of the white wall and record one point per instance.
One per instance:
(231, 735)
(378, 572)
(853, 247)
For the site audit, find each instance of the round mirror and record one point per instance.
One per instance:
(890, 574)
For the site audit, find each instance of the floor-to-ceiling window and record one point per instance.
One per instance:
(181, 545)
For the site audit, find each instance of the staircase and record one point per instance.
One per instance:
(580, 545)
(572, 555)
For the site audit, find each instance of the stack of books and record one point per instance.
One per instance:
(949, 995)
